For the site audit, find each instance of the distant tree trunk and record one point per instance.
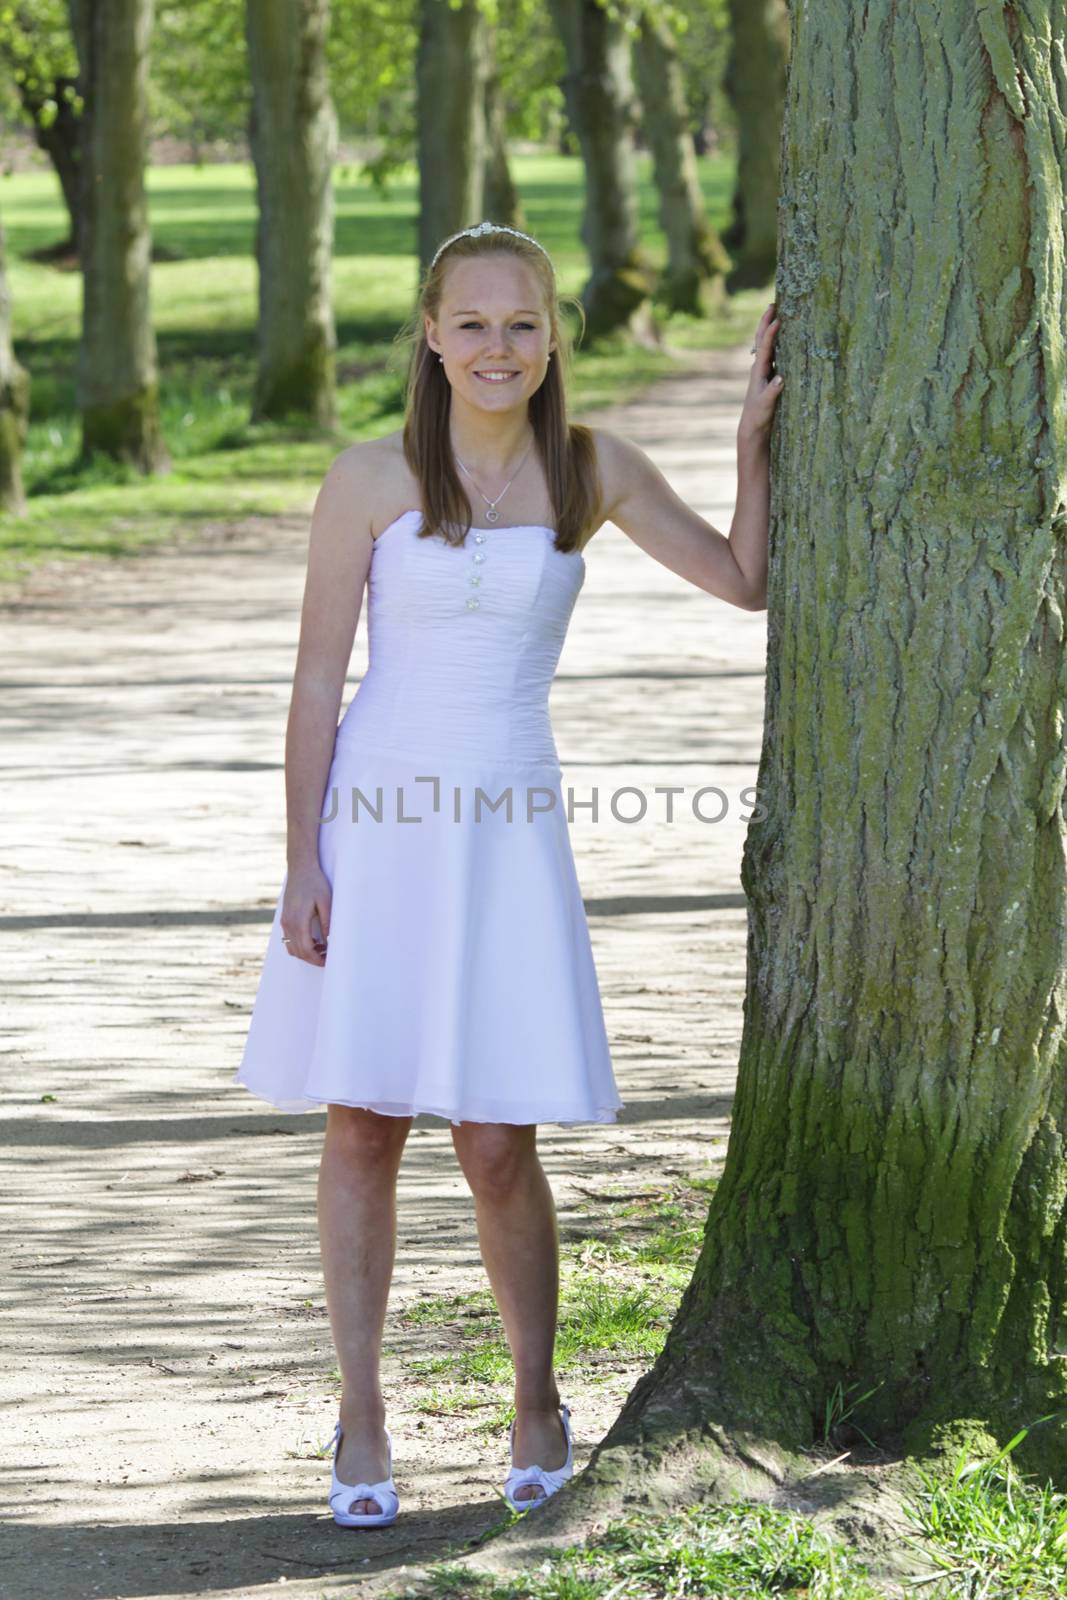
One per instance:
(695, 255)
(451, 69)
(118, 394)
(501, 198)
(598, 90)
(35, 52)
(892, 1213)
(14, 403)
(293, 135)
(755, 83)
(60, 140)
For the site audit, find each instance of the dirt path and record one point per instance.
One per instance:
(168, 1375)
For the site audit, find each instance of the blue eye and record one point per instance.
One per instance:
(477, 324)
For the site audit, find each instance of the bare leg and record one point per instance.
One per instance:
(357, 1240)
(519, 1242)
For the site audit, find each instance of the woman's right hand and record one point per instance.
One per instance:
(305, 917)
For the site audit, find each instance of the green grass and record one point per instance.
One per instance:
(990, 1531)
(204, 310)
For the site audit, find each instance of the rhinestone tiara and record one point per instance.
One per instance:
(480, 229)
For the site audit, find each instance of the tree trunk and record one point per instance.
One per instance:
(695, 255)
(14, 404)
(451, 69)
(755, 82)
(60, 140)
(598, 90)
(891, 1214)
(117, 384)
(33, 48)
(501, 201)
(892, 1208)
(293, 136)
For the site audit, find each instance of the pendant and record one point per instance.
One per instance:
(491, 515)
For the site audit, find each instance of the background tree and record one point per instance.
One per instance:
(890, 1222)
(199, 89)
(117, 377)
(293, 137)
(755, 82)
(451, 71)
(704, 60)
(197, 82)
(695, 255)
(373, 47)
(500, 199)
(14, 403)
(598, 89)
(40, 66)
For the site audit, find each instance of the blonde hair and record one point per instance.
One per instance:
(567, 450)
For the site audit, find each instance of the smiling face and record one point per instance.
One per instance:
(493, 331)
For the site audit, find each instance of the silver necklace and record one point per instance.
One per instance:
(492, 514)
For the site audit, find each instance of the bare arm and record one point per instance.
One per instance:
(339, 553)
(750, 524)
(641, 502)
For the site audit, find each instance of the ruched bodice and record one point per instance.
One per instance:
(463, 644)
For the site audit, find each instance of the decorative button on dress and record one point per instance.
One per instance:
(459, 976)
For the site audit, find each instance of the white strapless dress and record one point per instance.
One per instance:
(459, 977)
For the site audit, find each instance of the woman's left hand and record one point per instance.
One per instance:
(764, 384)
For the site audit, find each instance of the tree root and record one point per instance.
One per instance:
(859, 1504)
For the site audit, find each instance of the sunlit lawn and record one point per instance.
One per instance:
(204, 309)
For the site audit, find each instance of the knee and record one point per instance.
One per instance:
(366, 1137)
(495, 1160)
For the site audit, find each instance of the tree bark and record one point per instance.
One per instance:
(293, 135)
(755, 82)
(451, 70)
(117, 376)
(892, 1208)
(695, 254)
(14, 403)
(598, 90)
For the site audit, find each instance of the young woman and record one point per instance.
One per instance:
(430, 951)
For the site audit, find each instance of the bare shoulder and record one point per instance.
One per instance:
(396, 488)
(373, 479)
